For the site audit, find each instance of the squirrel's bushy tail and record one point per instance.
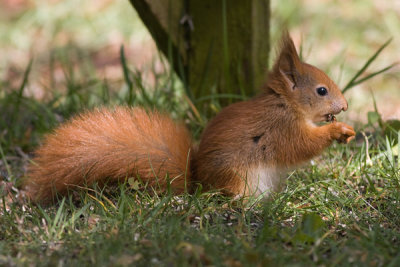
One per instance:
(111, 145)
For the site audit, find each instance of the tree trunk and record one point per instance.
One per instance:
(215, 46)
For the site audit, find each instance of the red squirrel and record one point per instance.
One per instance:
(245, 150)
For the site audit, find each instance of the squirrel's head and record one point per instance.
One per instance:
(305, 87)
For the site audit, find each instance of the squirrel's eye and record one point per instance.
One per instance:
(322, 91)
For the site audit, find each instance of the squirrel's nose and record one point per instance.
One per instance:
(345, 105)
(339, 105)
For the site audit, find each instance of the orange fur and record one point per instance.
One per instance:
(243, 150)
(105, 145)
(273, 131)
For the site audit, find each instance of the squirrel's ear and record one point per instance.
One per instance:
(288, 63)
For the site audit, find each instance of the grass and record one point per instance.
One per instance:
(341, 209)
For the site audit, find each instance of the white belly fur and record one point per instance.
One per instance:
(263, 180)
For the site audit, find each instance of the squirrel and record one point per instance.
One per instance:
(245, 150)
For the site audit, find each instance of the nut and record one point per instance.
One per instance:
(330, 118)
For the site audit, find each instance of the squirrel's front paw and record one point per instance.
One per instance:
(342, 132)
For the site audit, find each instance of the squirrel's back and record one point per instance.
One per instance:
(111, 144)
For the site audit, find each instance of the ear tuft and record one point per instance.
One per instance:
(288, 62)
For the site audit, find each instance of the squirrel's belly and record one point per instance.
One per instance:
(264, 180)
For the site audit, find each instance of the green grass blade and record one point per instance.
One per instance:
(127, 78)
(21, 91)
(162, 204)
(371, 75)
(45, 215)
(143, 91)
(398, 150)
(78, 213)
(23, 85)
(58, 214)
(350, 84)
(3, 157)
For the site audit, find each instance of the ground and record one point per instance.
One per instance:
(342, 208)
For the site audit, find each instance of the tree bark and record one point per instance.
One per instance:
(215, 46)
